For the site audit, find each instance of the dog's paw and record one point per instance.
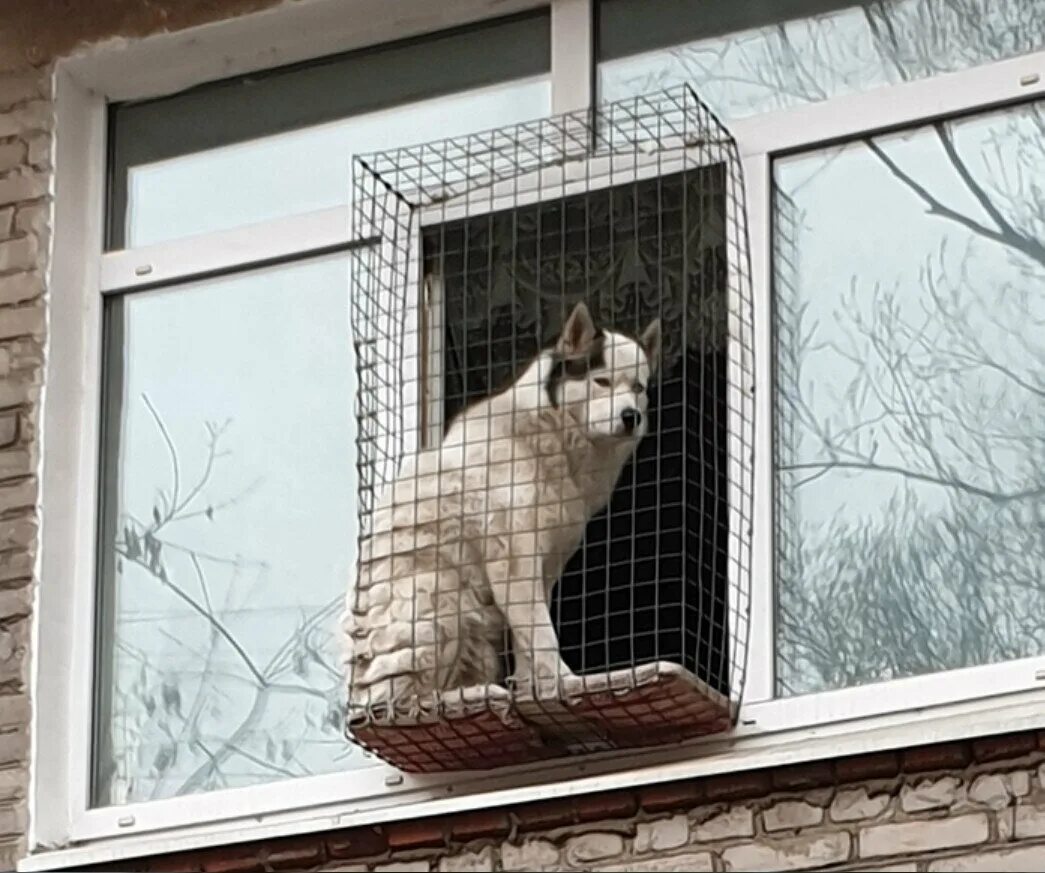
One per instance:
(550, 684)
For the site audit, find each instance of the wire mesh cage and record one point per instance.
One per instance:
(553, 327)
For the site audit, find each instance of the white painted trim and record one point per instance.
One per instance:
(892, 106)
(760, 661)
(974, 685)
(573, 55)
(179, 260)
(743, 412)
(291, 32)
(723, 755)
(71, 411)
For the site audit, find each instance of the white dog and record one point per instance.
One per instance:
(473, 535)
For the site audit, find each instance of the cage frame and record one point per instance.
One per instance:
(589, 169)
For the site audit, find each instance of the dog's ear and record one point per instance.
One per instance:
(650, 342)
(577, 334)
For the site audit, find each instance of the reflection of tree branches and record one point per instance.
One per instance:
(149, 560)
(275, 667)
(945, 391)
(175, 472)
(929, 588)
(955, 483)
(144, 546)
(926, 590)
(1005, 235)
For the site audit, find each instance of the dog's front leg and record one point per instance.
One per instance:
(518, 587)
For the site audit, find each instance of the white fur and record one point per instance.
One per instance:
(472, 536)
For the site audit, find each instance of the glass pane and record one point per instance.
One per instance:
(910, 330)
(229, 533)
(303, 170)
(786, 63)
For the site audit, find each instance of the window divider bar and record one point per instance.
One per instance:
(285, 239)
(573, 55)
(892, 107)
(63, 633)
(760, 667)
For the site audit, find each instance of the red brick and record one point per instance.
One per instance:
(118, 867)
(1004, 746)
(671, 796)
(858, 767)
(942, 756)
(236, 859)
(738, 786)
(544, 815)
(295, 854)
(801, 776)
(418, 834)
(482, 824)
(608, 804)
(357, 843)
(188, 862)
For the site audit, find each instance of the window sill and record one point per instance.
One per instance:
(746, 750)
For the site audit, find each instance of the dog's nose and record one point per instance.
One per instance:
(632, 418)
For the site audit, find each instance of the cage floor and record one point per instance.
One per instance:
(482, 728)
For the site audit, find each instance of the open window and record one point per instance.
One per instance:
(634, 210)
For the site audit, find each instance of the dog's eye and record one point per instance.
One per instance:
(603, 382)
(639, 388)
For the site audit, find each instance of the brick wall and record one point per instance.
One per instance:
(25, 154)
(977, 805)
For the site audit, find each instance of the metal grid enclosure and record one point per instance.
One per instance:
(553, 325)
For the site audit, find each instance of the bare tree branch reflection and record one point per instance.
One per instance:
(162, 747)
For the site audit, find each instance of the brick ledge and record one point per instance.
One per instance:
(435, 833)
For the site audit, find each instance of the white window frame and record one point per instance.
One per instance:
(887, 715)
(808, 128)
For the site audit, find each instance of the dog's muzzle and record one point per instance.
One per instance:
(632, 418)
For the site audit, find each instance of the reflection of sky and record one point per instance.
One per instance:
(799, 61)
(307, 169)
(858, 222)
(269, 352)
(860, 227)
(736, 75)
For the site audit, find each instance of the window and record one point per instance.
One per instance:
(892, 154)
(228, 529)
(231, 153)
(750, 58)
(910, 402)
(902, 272)
(228, 514)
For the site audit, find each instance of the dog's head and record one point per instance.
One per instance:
(602, 377)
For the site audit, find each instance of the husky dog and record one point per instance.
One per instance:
(473, 535)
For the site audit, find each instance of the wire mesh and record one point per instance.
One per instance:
(553, 326)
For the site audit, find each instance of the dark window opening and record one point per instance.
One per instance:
(650, 580)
